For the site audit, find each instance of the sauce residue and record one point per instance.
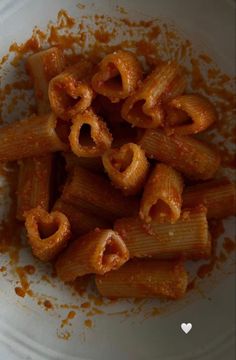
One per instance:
(88, 323)
(91, 38)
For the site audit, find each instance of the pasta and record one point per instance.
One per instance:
(218, 196)
(162, 197)
(200, 111)
(33, 184)
(194, 158)
(118, 75)
(96, 143)
(42, 67)
(69, 92)
(175, 117)
(187, 238)
(143, 108)
(112, 181)
(35, 173)
(80, 221)
(127, 167)
(30, 137)
(96, 252)
(93, 163)
(145, 278)
(94, 194)
(47, 233)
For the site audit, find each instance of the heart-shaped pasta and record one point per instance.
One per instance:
(93, 144)
(118, 76)
(127, 167)
(143, 108)
(199, 111)
(162, 196)
(69, 93)
(47, 233)
(97, 252)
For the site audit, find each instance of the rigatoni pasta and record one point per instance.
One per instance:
(187, 238)
(81, 222)
(93, 193)
(194, 158)
(162, 196)
(145, 278)
(143, 108)
(200, 111)
(30, 137)
(69, 92)
(218, 196)
(97, 252)
(91, 163)
(42, 67)
(93, 144)
(118, 75)
(33, 184)
(127, 167)
(130, 228)
(47, 233)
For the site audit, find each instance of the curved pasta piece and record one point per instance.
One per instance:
(175, 117)
(118, 76)
(127, 167)
(99, 140)
(143, 108)
(145, 279)
(199, 110)
(194, 158)
(47, 233)
(97, 252)
(162, 197)
(69, 93)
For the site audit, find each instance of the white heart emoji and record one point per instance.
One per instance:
(186, 327)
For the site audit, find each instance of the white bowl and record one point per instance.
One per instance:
(125, 330)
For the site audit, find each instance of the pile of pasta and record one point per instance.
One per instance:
(112, 181)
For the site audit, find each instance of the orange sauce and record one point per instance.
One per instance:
(25, 286)
(88, 323)
(69, 317)
(48, 304)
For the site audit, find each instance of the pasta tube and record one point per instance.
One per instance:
(96, 143)
(145, 279)
(187, 238)
(47, 233)
(69, 92)
(80, 221)
(42, 67)
(218, 196)
(30, 137)
(200, 111)
(175, 117)
(94, 163)
(127, 167)
(93, 193)
(33, 184)
(96, 252)
(143, 108)
(118, 75)
(162, 197)
(192, 157)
